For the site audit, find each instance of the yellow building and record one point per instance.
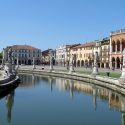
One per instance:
(83, 54)
(105, 55)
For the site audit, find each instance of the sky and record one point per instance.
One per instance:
(50, 23)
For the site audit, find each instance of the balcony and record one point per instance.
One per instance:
(118, 32)
(105, 50)
(105, 55)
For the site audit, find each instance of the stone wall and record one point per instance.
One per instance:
(97, 80)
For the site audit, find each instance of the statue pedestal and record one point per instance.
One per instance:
(34, 67)
(123, 72)
(51, 68)
(71, 68)
(95, 70)
(122, 78)
(17, 66)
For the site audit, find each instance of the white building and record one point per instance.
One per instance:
(25, 54)
(61, 55)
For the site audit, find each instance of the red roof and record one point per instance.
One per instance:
(27, 47)
(86, 45)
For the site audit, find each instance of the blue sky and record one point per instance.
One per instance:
(50, 23)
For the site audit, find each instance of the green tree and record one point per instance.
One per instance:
(1, 55)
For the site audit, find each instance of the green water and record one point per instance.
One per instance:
(55, 101)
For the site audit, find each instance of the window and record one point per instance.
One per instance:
(80, 55)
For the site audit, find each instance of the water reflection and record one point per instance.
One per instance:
(9, 104)
(7, 92)
(115, 100)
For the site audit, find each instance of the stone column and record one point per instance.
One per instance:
(115, 47)
(115, 64)
(120, 66)
(120, 47)
(105, 65)
(95, 68)
(110, 58)
(34, 67)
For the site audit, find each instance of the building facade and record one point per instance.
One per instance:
(46, 56)
(25, 54)
(105, 55)
(117, 45)
(63, 54)
(83, 54)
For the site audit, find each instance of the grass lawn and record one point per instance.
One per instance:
(112, 74)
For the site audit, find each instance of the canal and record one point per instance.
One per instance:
(40, 100)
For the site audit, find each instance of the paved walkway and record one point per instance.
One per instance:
(62, 68)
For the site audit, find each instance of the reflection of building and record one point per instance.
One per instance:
(28, 80)
(9, 105)
(25, 54)
(117, 44)
(116, 101)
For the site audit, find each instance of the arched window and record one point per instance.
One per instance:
(113, 62)
(113, 46)
(123, 44)
(118, 62)
(78, 63)
(118, 45)
(82, 63)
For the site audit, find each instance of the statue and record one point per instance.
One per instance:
(34, 67)
(10, 55)
(9, 67)
(71, 64)
(51, 61)
(95, 68)
(122, 78)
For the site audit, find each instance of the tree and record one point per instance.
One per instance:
(1, 55)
